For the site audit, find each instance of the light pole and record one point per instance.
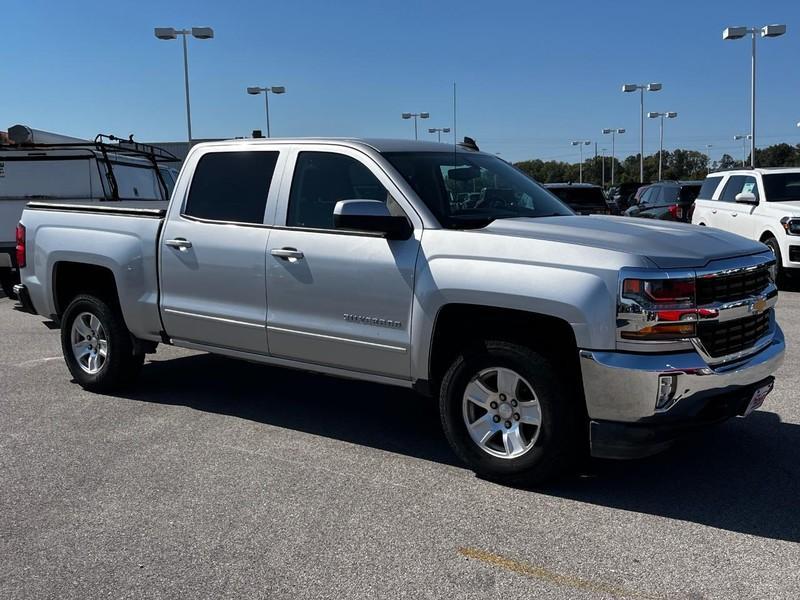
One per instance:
(661, 115)
(275, 89)
(613, 133)
(633, 87)
(201, 33)
(421, 115)
(708, 157)
(735, 33)
(603, 167)
(581, 144)
(744, 139)
(439, 131)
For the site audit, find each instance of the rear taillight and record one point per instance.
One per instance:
(658, 309)
(21, 253)
(676, 211)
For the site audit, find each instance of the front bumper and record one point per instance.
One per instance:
(622, 389)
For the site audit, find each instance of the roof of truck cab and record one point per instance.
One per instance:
(378, 144)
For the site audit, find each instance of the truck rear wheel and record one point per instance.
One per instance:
(507, 415)
(97, 346)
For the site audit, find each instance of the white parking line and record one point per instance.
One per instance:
(36, 361)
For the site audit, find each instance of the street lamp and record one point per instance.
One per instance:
(275, 89)
(736, 33)
(633, 87)
(613, 133)
(421, 115)
(744, 139)
(439, 131)
(169, 33)
(581, 144)
(603, 166)
(661, 115)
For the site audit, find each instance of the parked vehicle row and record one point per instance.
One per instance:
(541, 332)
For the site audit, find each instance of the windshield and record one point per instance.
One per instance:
(576, 196)
(782, 186)
(472, 190)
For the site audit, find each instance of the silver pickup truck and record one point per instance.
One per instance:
(428, 266)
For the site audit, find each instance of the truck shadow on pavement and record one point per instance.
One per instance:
(741, 476)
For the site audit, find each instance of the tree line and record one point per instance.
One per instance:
(676, 164)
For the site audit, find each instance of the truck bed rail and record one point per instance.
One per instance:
(130, 211)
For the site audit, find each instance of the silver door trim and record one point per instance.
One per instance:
(216, 319)
(336, 339)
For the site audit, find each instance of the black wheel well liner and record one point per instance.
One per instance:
(457, 326)
(71, 279)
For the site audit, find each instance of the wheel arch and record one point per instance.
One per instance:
(460, 325)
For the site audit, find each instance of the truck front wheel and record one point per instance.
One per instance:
(508, 415)
(97, 346)
(777, 271)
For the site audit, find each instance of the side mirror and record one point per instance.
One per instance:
(370, 215)
(746, 198)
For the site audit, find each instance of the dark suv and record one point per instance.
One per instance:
(583, 198)
(667, 200)
(620, 197)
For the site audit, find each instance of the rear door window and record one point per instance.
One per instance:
(231, 186)
(708, 188)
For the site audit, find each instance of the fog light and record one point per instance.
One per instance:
(666, 391)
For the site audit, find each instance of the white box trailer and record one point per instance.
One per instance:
(39, 165)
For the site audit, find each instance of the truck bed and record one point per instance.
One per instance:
(122, 239)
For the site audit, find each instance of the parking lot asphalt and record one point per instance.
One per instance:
(214, 478)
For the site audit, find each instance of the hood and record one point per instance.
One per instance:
(668, 244)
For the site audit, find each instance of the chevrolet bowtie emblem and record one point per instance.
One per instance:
(759, 306)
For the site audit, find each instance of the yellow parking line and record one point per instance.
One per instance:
(549, 576)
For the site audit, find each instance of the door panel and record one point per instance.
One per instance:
(344, 298)
(214, 292)
(346, 303)
(213, 275)
(741, 214)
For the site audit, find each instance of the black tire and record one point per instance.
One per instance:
(559, 440)
(780, 273)
(121, 364)
(7, 282)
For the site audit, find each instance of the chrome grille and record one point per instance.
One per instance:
(725, 288)
(729, 337)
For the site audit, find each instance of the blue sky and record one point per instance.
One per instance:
(531, 75)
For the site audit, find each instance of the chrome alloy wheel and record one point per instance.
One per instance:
(89, 343)
(502, 413)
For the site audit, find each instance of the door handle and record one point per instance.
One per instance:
(181, 244)
(713, 211)
(733, 214)
(290, 254)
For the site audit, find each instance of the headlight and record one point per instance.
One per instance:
(657, 309)
(791, 225)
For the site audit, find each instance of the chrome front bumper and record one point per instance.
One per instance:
(624, 387)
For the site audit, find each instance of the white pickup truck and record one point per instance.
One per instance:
(760, 204)
(541, 333)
